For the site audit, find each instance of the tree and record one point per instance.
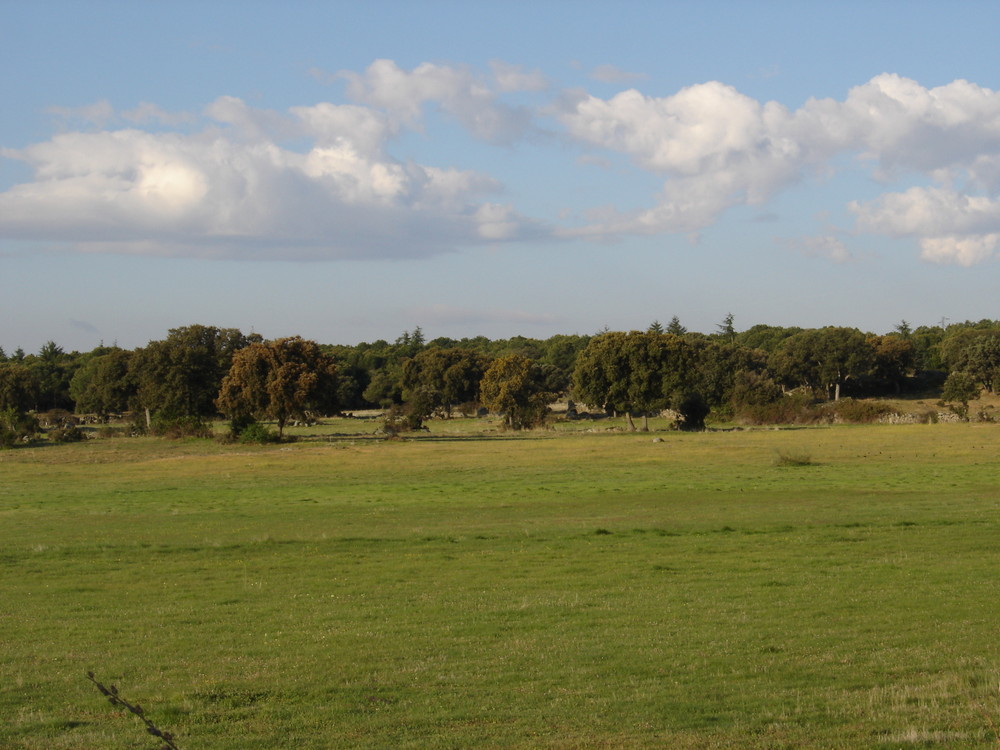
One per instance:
(18, 387)
(822, 358)
(893, 357)
(655, 327)
(18, 391)
(105, 384)
(960, 387)
(515, 387)
(54, 370)
(975, 352)
(725, 329)
(451, 375)
(279, 380)
(675, 327)
(635, 372)
(181, 375)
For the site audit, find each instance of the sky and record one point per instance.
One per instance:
(348, 171)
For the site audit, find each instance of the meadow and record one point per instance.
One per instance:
(831, 587)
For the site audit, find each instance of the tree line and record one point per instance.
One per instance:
(200, 372)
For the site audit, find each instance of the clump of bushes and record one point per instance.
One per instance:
(257, 434)
(248, 431)
(16, 427)
(71, 434)
(793, 408)
(860, 412)
(181, 427)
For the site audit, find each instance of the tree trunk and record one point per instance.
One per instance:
(628, 418)
(645, 421)
(836, 391)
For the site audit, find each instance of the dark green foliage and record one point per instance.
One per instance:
(181, 375)
(445, 376)
(105, 384)
(693, 409)
(257, 434)
(645, 372)
(823, 359)
(53, 368)
(70, 434)
(960, 388)
(18, 386)
(16, 427)
(175, 428)
(515, 387)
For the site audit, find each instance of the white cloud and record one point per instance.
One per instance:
(233, 191)
(822, 246)
(716, 148)
(456, 90)
(514, 78)
(965, 251)
(319, 180)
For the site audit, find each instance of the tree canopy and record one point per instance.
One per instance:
(279, 380)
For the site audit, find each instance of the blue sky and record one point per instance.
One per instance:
(348, 171)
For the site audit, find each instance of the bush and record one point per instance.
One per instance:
(860, 412)
(693, 410)
(256, 433)
(66, 435)
(794, 408)
(182, 427)
(16, 427)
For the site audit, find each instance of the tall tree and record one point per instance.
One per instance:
(515, 387)
(54, 369)
(18, 387)
(279, 380)
(822, 358)
(181, 375)
(675, 327)
(446, 376)
(104, 384)
(635, 372)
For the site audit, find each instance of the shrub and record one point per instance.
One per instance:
(181, 427)
(860, 412)
(794, 408)
(256, 433)
(66, 435)
(693, 410)
(16, 427)
(797, 458)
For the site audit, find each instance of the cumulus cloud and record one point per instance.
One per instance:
(319, 180)
(233, 191)
(716, 148)
(456, 90)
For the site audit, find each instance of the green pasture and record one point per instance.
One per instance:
(804, 588)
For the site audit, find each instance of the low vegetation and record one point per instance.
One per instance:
(472, 587)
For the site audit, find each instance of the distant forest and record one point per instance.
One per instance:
(200, 372)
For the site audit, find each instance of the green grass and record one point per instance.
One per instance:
(557, 590)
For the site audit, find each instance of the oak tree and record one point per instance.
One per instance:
(279, 380)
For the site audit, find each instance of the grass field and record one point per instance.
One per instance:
(810, 588)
